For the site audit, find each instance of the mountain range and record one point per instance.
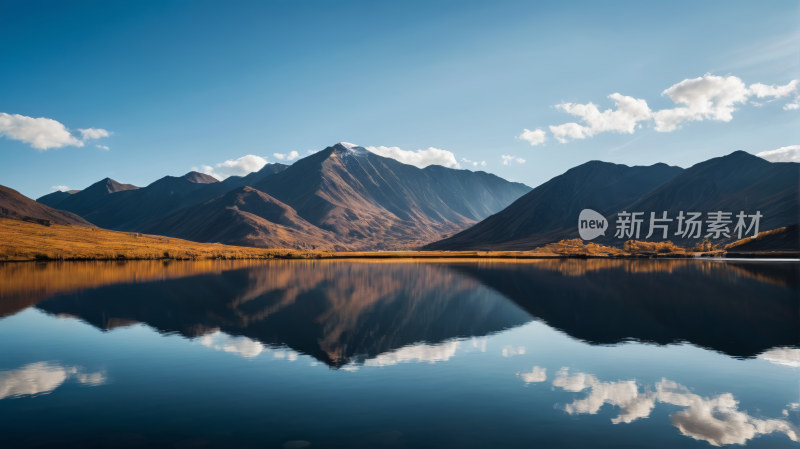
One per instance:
(549, 213)
(342, 198)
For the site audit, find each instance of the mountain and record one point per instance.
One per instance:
(20, 205)
(373, 202)
(52, 199)
(244, 217)
(737, 182)
(123, 207)
(341, 197)
(733, 183)
(216, 189)
(550, 212)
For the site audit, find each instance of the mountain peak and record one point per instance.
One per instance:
(199, 178)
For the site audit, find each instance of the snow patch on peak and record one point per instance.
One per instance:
(347, 145)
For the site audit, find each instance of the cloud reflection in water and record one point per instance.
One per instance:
(44, 377)
(716, 420)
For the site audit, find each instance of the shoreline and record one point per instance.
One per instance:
(29, 242)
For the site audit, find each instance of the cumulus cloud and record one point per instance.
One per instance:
(288, 157)
(93, 133)
(419, 158)
(782, 356)
(783, 154)
(509, 160)
(535, 137)
(708, 97)
(44, 133)
(792, 106)
(716, 420)
(102, 147)
(40, 133)
(42, 378)
(235, 167)
(60, 188)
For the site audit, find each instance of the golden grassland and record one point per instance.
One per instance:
(23, 241)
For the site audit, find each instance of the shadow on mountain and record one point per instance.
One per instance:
(738, 308)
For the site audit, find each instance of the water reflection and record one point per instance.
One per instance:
(716, 420)
(347, 312)
(44, 377)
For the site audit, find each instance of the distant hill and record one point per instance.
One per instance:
(52, 199)
(122, 207)
(549, 213)
(244, 217)
(20, 205)
(781, 240)
(373, 202)
(733, 183)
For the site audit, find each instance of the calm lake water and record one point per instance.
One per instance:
(486, 354)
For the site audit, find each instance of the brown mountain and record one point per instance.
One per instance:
(52, 199)
(216, 189)
(123, 207)
(373, 202)
(20, 205)
(733, 183)
(549, 213)
(244, 217)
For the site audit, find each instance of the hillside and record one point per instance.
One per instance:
(549, 213)
(13, 203)
(372, 202)
(52, 199)
(244, 217)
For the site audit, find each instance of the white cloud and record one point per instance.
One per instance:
(102, 147)
(311, 152)
(708, 97)
(93, 133)
(537, 374)
(288, 157)
(61, 188)
(761, 90)
(535, 137)
(419, 158)
(509, 160)
(235, 167)
(42, 378)
(716, 420)
(40, 133)
(473, 163)
(783, 154)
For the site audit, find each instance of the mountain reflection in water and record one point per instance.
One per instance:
(443, 353)
(346, 312)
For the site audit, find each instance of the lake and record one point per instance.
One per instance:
(400, 353)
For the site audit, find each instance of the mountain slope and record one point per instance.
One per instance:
(737, 182)
(550, 212)
(372, 202)
(216, 189)
(128, 206)
(52, 199)
(244, 217)
(21, 205)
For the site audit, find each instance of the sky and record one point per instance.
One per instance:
(526, 90)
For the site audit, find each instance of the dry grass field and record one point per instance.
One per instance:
(23, 241)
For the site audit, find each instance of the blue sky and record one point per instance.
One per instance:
(186, 84)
